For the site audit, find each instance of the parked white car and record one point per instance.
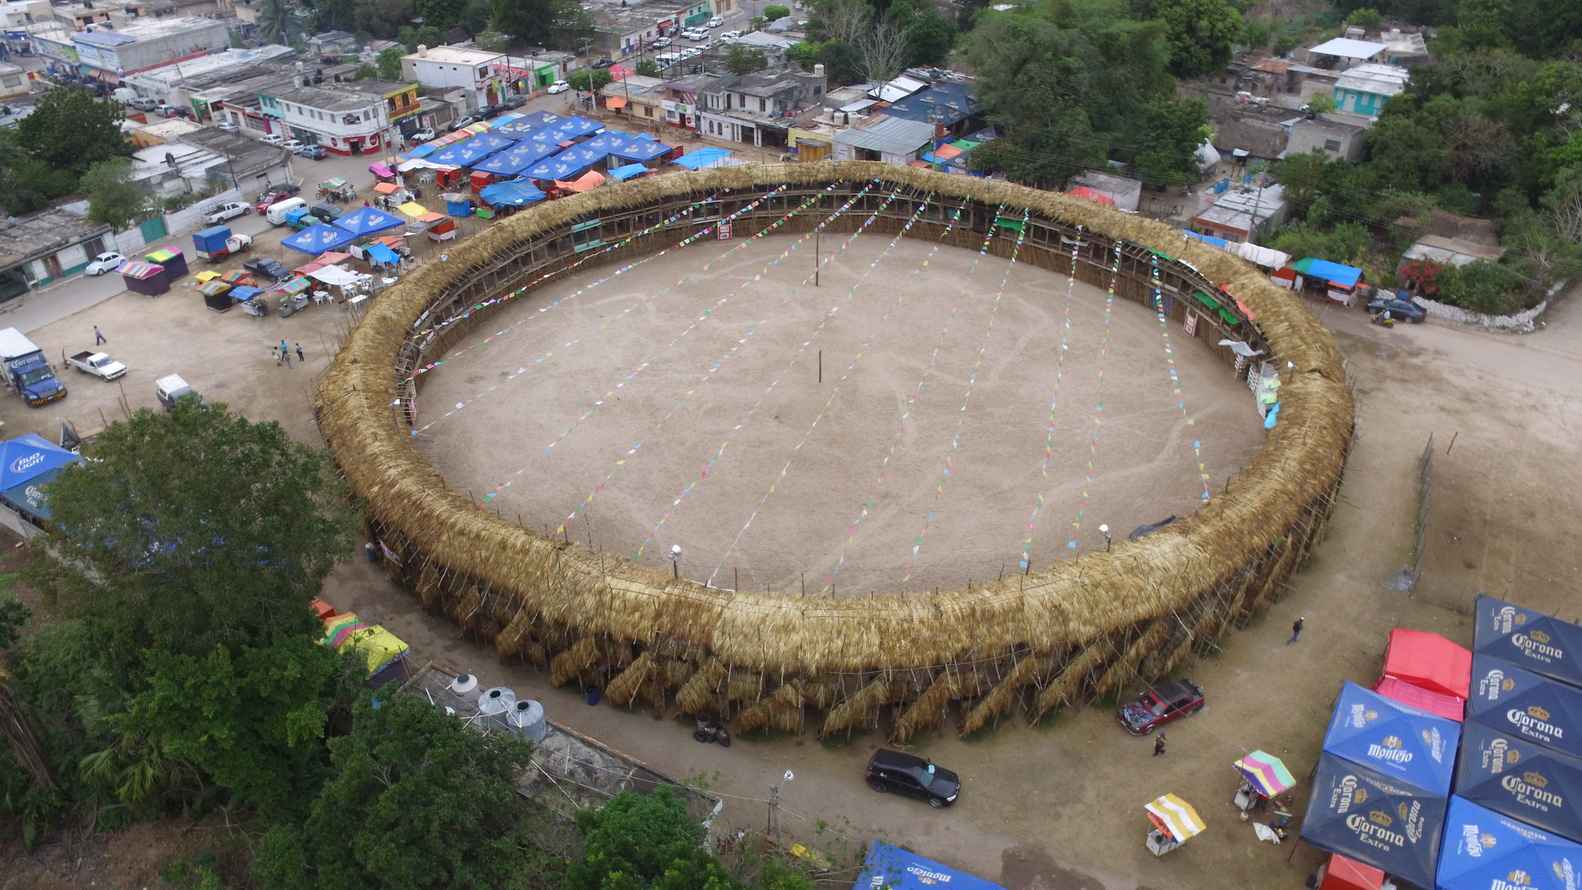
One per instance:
(105, 262)
(695, 34)
(660, 42)
(424, 135)
(730, 35)
(291, 145)
(713, 23)
(271, 138)
(559, 86)
(691, 52)
(227, 211)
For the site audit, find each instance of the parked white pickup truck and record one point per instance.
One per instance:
(98, 364)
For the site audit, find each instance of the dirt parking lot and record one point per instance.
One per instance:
(1059, 805)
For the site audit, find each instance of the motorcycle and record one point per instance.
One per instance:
(712, 731)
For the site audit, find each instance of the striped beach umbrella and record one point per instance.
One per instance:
(1266, 772)
(1175, 817)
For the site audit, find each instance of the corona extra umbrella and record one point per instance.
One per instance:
(1266, 773)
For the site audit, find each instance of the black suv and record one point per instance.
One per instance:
(900, 773)
(264, 267)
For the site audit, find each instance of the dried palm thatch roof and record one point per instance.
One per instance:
(1067, 604)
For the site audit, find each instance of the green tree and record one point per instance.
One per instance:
(71, 130)
(1168, 142)
(1366, 17)
(1304, 177)
(553, 23)
(441, 14)
(217, 530)
(804, 54)
(1344, 243)
(253, 721)
(275, 22)
(493, 41)
(1201, 33)
(775, 11)
(644, 842)
(27, 184)
(589, 80)
(416, 800)
(745, 59)
(1321, 103)
(114, 199)
(389, 63)
(648, 68)
(842, 63)
(929, 37)
(366, 71)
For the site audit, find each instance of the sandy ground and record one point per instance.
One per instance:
(687, 405)
(1059, 807)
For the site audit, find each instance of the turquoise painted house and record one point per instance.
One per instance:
(1364, 89)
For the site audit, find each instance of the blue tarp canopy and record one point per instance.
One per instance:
(610, 140)
(30, 462)
(1392, 739)
(946, 102)
(1525, 705)
(1519, 779)
(642, 148)
(515, 193)
(1532, 640)
(568, 164)
(1337, 274)
(892, 868)
(621, 174)
(243, 293)
(572, 128)
(368, 220)
(424, 150)
(699, 158)
(517, 158)
(1484, 849)
(318, 238)
(1374, 819)
(1210, 240)
(382, 255)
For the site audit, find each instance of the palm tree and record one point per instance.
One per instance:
(274, 21)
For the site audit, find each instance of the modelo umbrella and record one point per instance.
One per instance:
(1393, 739)
(1487, 851)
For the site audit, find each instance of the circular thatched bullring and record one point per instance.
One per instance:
(1074, 630)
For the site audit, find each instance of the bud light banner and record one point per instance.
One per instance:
(29, 456)
(1537, 785)
(1375, 820)
(1531, 640)
(1525, 705)
(1487, 851)
(1392, 739)
(892, 868)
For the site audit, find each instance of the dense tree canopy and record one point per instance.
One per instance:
(43, 158)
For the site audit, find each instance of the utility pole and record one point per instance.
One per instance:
(773, 828)
(818, 241)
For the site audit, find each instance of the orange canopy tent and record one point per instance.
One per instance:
(386, 188)
(615, 103)
(1093, 195)
(586, 182)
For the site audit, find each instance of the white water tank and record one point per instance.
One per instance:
(526, 719)
(498, 700)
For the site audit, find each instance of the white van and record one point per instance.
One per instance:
(665, 60)
(276, 214)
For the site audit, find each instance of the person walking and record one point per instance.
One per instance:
(99, 339)
(1296, 630)
(1159, 745)
(275, 351)
(300, 357)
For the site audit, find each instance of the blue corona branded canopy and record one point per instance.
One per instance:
(1374, 819)
(641, 149)
(526, 124)
(368, 220)
(1525, 705)
(892, 868)
(1393, 739)
(517, 158)
(1487, 851)
(1537, 785)
(569, 164)
(466, 152)
(572, 128)
(29, 463)
(318, 238)
(1531, 640)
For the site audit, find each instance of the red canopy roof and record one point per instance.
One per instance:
(1092, 194)
(1436, 703)
(1428, 660)
(1349, 874)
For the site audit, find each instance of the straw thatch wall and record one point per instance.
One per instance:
(1101, 621)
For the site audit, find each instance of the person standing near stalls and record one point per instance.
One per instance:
(1296, 630)
(1159, 745)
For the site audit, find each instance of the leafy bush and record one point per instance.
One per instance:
(775, 11)
(588, 80)
(1484, 287)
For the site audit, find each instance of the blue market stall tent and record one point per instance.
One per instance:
(1524, 781)
(1525, 705)
(1530, 640)
(1393, 739)
(1374, 819)
(27, 464)
(892, 868)
(1487, 851)
(368, 221)
(318, 238)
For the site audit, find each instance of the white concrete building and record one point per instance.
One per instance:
(475, 71)
(145, 45)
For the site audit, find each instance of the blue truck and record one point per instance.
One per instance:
(27, 371)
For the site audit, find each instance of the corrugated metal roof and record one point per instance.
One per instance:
(1347, 48)
(1383, 80)
(891, 135)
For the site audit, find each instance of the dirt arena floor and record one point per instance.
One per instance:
(686, 402)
